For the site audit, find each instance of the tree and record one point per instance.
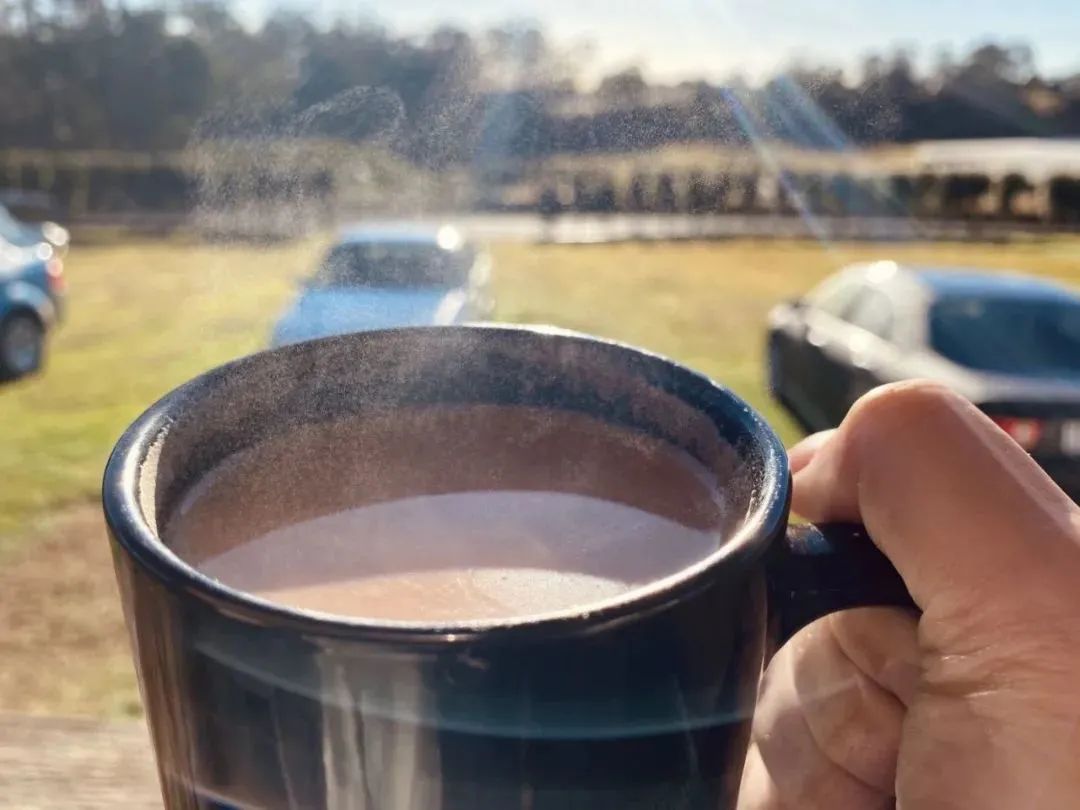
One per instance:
(624, 89)
(78, 74)
(518, 56)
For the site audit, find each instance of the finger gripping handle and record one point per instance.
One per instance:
(819, 570)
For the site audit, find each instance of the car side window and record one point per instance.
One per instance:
(836, 299)
(871, 310)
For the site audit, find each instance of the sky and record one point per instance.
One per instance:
(718, 38)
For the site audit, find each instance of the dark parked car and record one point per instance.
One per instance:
(1010, 344)
(32, 285)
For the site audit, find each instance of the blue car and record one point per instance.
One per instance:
(383, 277)
(32, 286)
(27, 235)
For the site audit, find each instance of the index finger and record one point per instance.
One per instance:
(959, 508)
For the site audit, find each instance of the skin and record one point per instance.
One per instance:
(975, 705)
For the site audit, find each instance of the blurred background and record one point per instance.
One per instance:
(187, 181)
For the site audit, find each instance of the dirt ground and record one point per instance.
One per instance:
(62, 639)
(91, 764)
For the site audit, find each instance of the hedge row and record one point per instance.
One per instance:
(80, 190)
(949, 196)
(86, 188)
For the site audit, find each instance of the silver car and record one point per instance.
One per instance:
(377, 277)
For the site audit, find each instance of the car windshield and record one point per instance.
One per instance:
(391, 265)
(1037, 338)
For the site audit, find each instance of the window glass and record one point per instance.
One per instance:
(836, 299)
(872, 310)
(1025, 338)
(392, 265)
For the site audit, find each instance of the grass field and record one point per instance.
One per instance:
(145, 316)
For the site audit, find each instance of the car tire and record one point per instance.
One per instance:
(22, 345)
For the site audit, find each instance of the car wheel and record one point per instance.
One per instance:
(22, 345)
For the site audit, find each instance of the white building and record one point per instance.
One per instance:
(1037, 159)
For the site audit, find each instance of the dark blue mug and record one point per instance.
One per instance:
(644, 702)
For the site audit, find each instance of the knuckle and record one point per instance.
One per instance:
(910, 399)
(887, 415)
(846, 730)
(772, 715)
(1029, 657)
(854, 723)
(778, 716)
(803, 771)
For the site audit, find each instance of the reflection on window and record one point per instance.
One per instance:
(1027, 338)
(392, 265)
(872, 311)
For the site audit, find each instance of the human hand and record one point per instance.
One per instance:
(975, 705)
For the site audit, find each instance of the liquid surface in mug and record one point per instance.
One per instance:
(452, 514)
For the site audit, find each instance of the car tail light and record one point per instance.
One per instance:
(1025, 432)
(54, 271)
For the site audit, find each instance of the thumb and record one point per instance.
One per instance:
(966, 516)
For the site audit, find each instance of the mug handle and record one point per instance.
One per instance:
(818, 570)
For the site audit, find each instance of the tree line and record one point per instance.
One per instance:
(87, 75)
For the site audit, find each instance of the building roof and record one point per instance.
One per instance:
(1035, 158)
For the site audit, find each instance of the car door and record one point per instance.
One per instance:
(864, 346)
(784, 351)
(822, 355)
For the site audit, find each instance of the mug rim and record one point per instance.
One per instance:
(132, 533)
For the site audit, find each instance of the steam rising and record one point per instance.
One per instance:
(274, 172)
(356, 115)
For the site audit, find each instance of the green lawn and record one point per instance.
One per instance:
(145, 316)
(142, 317)
(705, 303)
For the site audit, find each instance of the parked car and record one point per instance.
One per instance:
(1009, 343)
(381, 277)
(27, 234)
(32, 286)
